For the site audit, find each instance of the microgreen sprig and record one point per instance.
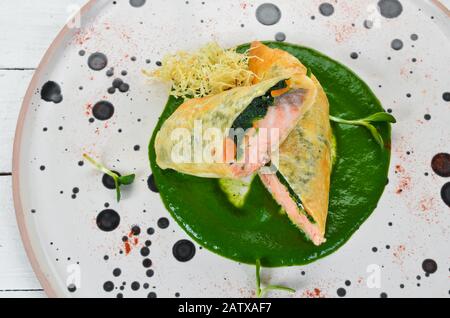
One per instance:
(260, 292)
(118, 180)
(380, 117)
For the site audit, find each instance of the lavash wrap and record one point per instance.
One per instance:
(218, 111)
(305, 156)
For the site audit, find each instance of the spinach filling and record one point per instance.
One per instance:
(257, 109)
(294, 197)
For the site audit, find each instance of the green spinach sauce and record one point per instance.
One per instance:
(257, 230)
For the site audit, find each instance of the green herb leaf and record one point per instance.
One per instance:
(366, 122)
(118, 193)
(308, 72)
(261, 292)
(118, 181)
(380, 117)
(376, 135)
(127, 180)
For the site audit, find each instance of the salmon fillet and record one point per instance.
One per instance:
(281, 194)
(266, 134)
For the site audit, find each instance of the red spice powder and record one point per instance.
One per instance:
(405, 180)
(132, 242)
(88, 109)
(315, 293)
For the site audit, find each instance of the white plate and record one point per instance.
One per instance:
(60, 233)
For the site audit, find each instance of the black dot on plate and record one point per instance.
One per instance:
(145, 251)
(147, 263)
(177, 295)
(42, 168)
(117, 272)
(103, 110)
(72, 288)
(268, 14)
(51, 92)
(326, 9)
(148, 243)
(441, 164)
(383, 295)
(137, 148)
(151, 295)
(183, 250)
(108, 220)
(119, 295)
(97, 61)
(117, 82)
(108, 181)
(429, 266)
(135, 286)
(414, 37)
(108, 286)
(124, 87)
(158, 63)
(151, 184)
(137, 3)
(427, 117)
(446, 96)
(110, 72)
(82, 53)
(390, 9)
(397, 44)
(150, 231)
(348, 283)
(75, 190)
(354, 55)
(280, 37)
(368, 24)
(341, 292)
(136, 230)
(445, 193)
(163, 223)
(150, 273)
(374, 249)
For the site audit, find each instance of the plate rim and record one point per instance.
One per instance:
(49, 290)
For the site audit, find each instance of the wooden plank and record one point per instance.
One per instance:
(29, 27)
(13, 84)
(15, 270)
(38, 293)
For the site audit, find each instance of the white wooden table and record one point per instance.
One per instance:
(27, 27)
